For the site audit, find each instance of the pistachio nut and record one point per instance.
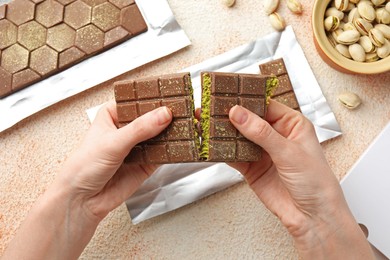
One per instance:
(343, 49)
(353, 15)
(357, 52)
(295, 6)
(348, 26)
(333, 11)
(382, 16)
(363, 26)
(376, 37)
(387, 7)
(350, 7)
(348, 37)
(366, 43)
(384, 50)
(277, 21)
(228, 3)
(366, 10)
(354, 1)
(377, 2)
(349, 100)
(385, 29)
(371, 57)
(270, 6)
(332, 40)
(341, 5)
(331, 23)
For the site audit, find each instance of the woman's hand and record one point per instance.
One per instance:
(295, 182)
(95, 172)
(92, 182)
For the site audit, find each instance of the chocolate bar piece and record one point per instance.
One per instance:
(39, 38)
(180, 141)
(220, 92)
(284, 93)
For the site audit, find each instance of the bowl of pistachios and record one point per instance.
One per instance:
(353, 36)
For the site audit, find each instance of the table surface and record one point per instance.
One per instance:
(230, 224)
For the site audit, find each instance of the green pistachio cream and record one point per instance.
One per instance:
(271, 85)
(205, 116)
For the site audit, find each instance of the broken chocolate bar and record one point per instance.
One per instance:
(220, 141)
(179, 142)
(284, 93)
(220, 92)
(40, 38)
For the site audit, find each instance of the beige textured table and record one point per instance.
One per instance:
(232, 224)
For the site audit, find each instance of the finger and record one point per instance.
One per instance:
(145, 127)
(276, 110)
(107, 115)
(257, 130)
(198, 113)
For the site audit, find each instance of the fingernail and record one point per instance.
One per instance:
(164, 115)
(238, 115)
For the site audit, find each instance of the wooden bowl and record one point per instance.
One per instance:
(331, 56)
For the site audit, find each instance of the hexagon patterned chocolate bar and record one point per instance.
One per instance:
(42, 37)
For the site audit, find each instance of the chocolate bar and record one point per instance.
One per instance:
(180, 141)
(284, 93)
(39, 38)
(220, 92)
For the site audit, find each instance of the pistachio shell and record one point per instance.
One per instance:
(228, 3)
(350, 100)
(387, 7)
(363, 26)
(348, 37)
(295, 6)
(377, 2)
(332, 40)
(350, 7)
(371, 57)
(348, 26)
(341, 5)
(270, 6)
(354, 1)
(343, 49)
(384, 51)
(366, 43)
(357, 52)
(353, 15)
(331, 23)
(376, 37)
(366, 10)
(333, 11)
(385, 29)
(382, 16)
(277, 21)
(336, 34)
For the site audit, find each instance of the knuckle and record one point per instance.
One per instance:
(262, 130)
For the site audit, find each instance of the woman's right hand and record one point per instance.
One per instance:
(295, 182)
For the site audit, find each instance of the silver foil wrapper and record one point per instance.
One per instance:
(175, 185)
(163, 31)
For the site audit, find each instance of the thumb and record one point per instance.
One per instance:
(257, 130)
(145, 127)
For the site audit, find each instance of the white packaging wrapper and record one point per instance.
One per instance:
(175, 185)
(163, 31)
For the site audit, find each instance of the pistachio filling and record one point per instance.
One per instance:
(195, 121)
(205, 116)
(271, 85)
